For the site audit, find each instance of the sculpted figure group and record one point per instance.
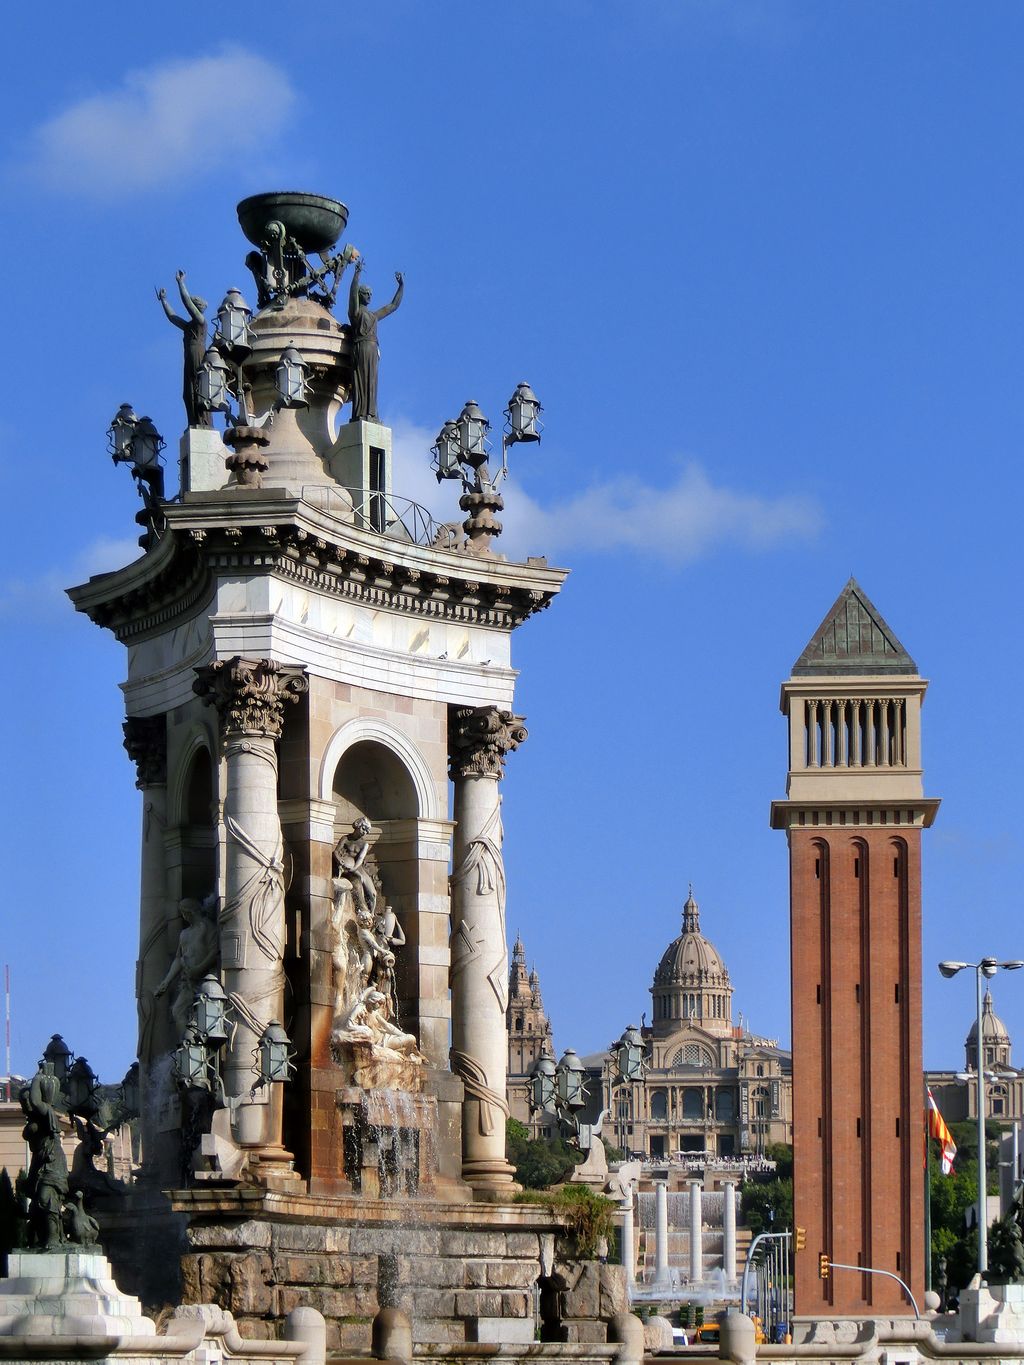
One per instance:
(365, 935)
(55, 1218)
(281, 271)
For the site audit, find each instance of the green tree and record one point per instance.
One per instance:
(539, 1162)
(770, 1192)
(955, 1197)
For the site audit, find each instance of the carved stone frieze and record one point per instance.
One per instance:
(184, 573)
(250, 694)
(479, 737)
(145, 738)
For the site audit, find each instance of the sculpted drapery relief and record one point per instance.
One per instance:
(479, 739)
(251, 697)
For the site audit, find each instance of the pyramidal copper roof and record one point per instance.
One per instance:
(853, 638)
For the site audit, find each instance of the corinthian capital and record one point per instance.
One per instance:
(479, 737)
(145, 738)
(250, 694)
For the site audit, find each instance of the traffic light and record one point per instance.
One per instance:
(801, 1238)
(823, 1265)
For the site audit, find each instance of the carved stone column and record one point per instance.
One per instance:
(696, 1233)
(729, 1230)
(250, 696)
(145, 738)
(479, 737)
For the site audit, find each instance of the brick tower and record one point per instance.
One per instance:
(854, 813)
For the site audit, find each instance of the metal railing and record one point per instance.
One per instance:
(384, 515)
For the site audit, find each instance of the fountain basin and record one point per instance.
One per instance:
(314, 221)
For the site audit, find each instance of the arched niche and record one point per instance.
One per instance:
(371, 780)
(196, 832)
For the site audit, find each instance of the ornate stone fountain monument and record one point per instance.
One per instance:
(319, 696)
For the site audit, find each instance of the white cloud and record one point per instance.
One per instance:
(686, 518)
(164, 123)
(43, 597)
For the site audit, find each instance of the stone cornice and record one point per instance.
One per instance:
(867, 814)
(249, 532)
(854, 687)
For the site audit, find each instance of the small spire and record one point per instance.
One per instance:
(691, 914)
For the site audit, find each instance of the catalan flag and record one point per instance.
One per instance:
(937, 1129)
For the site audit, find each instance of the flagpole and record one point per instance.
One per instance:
(927, 1200)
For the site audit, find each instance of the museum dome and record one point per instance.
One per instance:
(691, 982)
(995, 1036)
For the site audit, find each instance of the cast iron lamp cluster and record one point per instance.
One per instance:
(135, 441)
(561, 1089)
(220, 377)
(462, 445)
(80, 1089)
(197, 1058)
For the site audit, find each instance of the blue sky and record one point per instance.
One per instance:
(762, 264)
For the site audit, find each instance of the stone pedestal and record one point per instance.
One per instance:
(360, 460)
(992, 1313)
(201, 460)
(71, 1293)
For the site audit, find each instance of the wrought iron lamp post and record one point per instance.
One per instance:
(135, 441)
(461, 451)
(987, 967)
(58, 1057)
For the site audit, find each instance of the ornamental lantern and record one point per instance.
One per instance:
(233, 323)
(209, 1013)
(629, 1054)
(290, 376)
(58, 1055)
(523, 415)
(473, 428)
(570, 1080)
(146, 445)
(190, 1062)
(130, 1092)
(542, 1083)
(214, 376)
(120, 432)
(447, 451)
(80, 1088)
(273, 1055)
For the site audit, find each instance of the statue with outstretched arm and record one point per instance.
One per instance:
(365, 348)
(193, 329)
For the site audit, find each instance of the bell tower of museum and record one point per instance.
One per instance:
(854, 811)
(319, 704)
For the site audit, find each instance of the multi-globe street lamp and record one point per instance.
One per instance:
(987, 968)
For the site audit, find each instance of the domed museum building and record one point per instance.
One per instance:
(712, 1088)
